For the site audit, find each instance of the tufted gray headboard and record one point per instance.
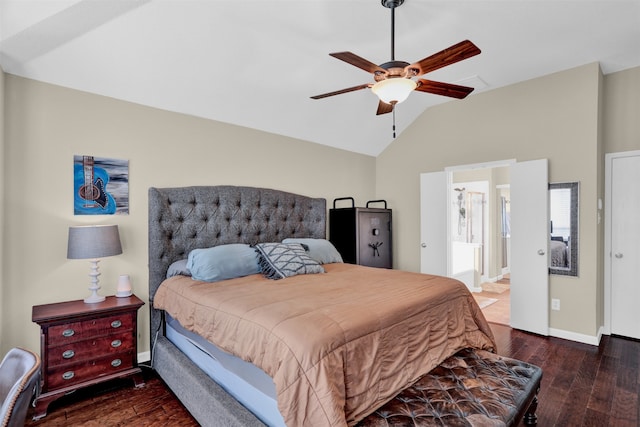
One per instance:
(186, 218)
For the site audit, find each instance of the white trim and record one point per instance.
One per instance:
(608, 162)
(144, 357)
(487, 165)
(573, 336)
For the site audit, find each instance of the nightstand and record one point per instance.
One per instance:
(85, 344)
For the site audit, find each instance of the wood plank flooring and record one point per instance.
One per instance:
(582, 385)
(500, 311)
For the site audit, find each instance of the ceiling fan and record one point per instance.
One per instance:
(394, 79)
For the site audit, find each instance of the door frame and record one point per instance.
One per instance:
(538, 323)
(449, 171)
(608, 165)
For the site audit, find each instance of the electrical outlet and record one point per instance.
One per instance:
(555, 304)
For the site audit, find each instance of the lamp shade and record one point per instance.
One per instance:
(394, 90)
(93, 241)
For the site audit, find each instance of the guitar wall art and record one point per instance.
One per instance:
(100, 186)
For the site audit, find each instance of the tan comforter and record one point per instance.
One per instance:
(338, 345)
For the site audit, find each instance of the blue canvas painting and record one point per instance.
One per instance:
(100, 185)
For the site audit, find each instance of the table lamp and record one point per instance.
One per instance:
(93, 242)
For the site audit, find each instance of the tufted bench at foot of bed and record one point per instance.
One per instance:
(473, 388)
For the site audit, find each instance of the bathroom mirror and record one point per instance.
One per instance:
(563, 228)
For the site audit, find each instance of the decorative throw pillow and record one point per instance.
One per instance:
(223, 262)
(321, 250)
(280, 260)
(178, 268)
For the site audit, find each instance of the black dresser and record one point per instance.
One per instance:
(362, 235)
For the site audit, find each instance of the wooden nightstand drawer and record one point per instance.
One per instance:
(77, 331)
(83, 350)
(65, 376)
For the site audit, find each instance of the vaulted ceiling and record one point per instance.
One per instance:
(256, 63)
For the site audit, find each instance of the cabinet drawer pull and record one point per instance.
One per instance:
(68, 354)
(68, 375)
(116, 343)
(116, 324)
(116, 362)
(68, 333)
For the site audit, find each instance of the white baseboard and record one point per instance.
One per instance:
(143, 357)
(573, 336)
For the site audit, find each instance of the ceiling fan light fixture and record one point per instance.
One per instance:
(395, 90)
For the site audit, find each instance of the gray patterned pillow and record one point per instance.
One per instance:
(280, 260)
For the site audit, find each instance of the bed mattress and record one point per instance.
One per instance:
(247, 383)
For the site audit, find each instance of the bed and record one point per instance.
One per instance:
(333, 370)
(559, 254)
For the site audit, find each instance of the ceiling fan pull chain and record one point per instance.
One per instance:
(394, 123)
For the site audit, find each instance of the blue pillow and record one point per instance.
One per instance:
(321, 250)
(178, 268)
(280, 260)
(223, 262)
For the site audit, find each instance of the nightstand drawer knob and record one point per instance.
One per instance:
(68, 354)
(116, 343)
(116, 324)
(68, 333)
(68, 375)
(116, 362)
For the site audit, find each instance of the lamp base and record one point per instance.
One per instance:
(94, 287)
(93, 298)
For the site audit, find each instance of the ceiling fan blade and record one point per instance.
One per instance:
(384, 108)
(338, 92)
(353, 59)
(463, 50)
(444, 89)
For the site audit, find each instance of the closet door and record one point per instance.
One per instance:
(434, 241)
(625, 250)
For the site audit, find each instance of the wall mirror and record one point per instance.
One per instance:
(563, 227)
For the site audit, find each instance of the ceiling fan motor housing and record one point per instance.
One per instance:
(394, 69)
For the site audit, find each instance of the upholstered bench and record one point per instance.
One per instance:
(471, 388)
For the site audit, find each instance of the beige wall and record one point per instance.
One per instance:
(47, 125)
(621, 111)
(553, 117)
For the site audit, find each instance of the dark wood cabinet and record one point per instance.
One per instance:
(362, 235)
(84, 344)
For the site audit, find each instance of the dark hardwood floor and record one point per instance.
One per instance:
(582, 385)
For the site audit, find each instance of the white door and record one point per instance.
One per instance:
(530, 246)
(529, 239)
(625, 249)
(434, 240)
